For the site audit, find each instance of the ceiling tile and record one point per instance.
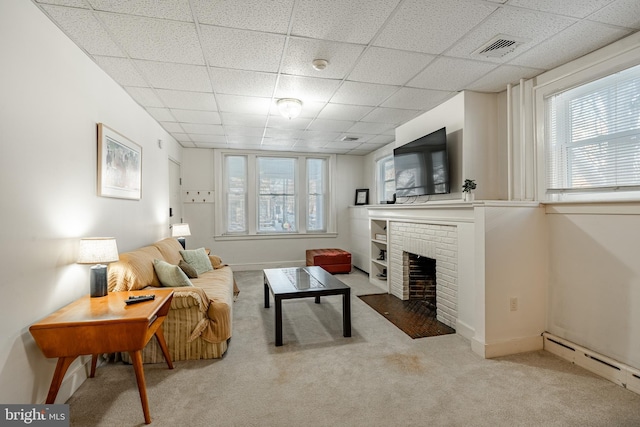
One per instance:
(177, 10)
(240, 82)
(316, 135)
(242, 49)
(73, 3)
(220, 139)
(344, 112)
(343, 145)
(84, 29)
(381, 140)
(165, 75)
(387, 66)
(452, 74)
(432, 26)
(422, 99)
(192, 116)
(188, 100)
(211, 145)
(300, 54)
(390, 115)
(202, 129)
(355, 21)
(363, 93)
(575, 8)
(144, 96)
(161, 114)
(154, 39)
(282, 142)
(572, 43)
(280, 122)
(620, 12)
(371, 128)
(121, 70)
(172, 127)
(497, 80)
(259, 15)
(282, 133)
(306, 88)
(310, 109)
(331, 125)
(181, 137)
(243, 131)
(243, 104)
(244, 139)
(524, 24)
(251, 120)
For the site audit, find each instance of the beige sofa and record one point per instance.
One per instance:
(199, 322)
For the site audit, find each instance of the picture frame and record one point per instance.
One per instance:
(362, 196)
(119, 165)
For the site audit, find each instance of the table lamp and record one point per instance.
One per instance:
(179, 231)
(98, 250)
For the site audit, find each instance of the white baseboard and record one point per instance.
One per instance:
(505, 348)
(612, 370)
(464, 330)
(77, 374)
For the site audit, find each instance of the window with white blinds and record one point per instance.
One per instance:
(593, 135)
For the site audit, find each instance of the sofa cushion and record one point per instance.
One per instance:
(170, 249)
(134, 270)
(188, 269)
(170, 275)
(198, 258)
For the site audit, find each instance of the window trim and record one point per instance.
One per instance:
(219, 177)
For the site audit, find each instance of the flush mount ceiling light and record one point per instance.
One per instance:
(319, 64)
(290, 107)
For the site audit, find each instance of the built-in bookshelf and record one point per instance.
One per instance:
(378, 270)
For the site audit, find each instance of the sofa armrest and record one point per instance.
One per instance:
(190, 296)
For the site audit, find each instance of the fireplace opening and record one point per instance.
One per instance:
(422, 282)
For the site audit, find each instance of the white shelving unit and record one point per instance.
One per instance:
(378, 270)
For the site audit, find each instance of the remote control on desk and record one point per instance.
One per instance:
(139, 298)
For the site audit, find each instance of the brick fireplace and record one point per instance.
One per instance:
(437, 242)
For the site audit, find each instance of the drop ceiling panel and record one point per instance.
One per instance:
(176, 10)
(259, 15)
(301, 53)
(203, 129)
(172, 127)
(85, 30)
(155, 39)
(354, 21)
(451, 73)
(419, 99)
(218, 139)
(344, 112)
(260, 51)
(387, 66)
(625, 13)
(73, 3)
(575, 8)
(240, 82)
(122, 70)
(188, 100)
(280, 122)
(370, 128)
(359, 93)
(495, 82)
(161, 114)
(243, 104)
(329, 125)
(317, 135)
(193, 116)
(251, 120)
(306, 88)
(164, 75)
(390, 115)
(282, 133)
(432, 26)
(145, 96)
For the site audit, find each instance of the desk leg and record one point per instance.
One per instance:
(163, 347)
(346, 313)
(266, 294)
(278, 321)
(136, 358)
(61, 369)
(94, 362)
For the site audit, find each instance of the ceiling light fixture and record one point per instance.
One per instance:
(290, 107)
(319, 64)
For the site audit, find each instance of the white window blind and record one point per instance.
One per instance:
(593, 135)
(236, 192)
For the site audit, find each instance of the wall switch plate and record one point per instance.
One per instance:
(513, 304)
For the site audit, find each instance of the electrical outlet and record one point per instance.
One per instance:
(513, 304)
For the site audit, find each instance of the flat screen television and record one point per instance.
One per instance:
(422, 166)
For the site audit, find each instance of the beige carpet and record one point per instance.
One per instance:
(378, 377)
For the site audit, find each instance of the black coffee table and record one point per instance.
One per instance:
(304, 282)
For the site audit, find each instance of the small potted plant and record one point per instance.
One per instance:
(467, 189)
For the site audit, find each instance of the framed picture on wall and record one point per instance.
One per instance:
(119, 165)
(362, 196)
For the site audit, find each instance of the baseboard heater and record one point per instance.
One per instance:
(612, 370)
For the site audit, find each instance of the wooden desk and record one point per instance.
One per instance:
(104, 325)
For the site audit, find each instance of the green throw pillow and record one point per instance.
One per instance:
(188, 269)
(170, 275)
(198, 258)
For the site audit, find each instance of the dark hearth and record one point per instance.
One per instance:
(422, 281)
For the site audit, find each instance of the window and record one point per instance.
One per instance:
(273, 194)
(386, 178)
(592, 134)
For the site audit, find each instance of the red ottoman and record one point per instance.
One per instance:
(332, 260)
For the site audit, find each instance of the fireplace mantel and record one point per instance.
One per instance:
(501, 255)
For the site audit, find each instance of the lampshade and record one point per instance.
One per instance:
(180, 230)
(290, 107)
(96, 250)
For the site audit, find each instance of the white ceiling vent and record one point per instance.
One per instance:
(500, 46)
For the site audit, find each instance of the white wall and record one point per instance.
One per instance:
(198, 173)
(52, 96)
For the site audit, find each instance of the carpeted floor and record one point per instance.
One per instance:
(413, 317)
(378, 377)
